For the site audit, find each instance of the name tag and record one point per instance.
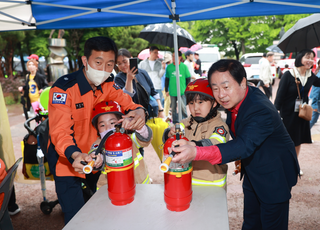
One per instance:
(296, 106)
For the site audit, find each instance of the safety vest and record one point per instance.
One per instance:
(221, 182)
(139, 157)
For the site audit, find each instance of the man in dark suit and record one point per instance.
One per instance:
(269, 164)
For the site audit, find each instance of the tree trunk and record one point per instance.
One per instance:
(243, 48)
(70, 63)
(236, 50)
(9, 59)
(24, 71)
(1, 68)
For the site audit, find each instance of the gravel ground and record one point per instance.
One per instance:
(304, 205)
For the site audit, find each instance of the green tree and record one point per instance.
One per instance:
(291, 19)
(242, 34)
(11, 39)
(127, 37)
(75, 42)
(3, 44)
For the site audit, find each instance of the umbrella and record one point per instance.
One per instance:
(193, 48)
(171, 35)
(144, 54)
(162, 34)
(275, 49)
(305, 34)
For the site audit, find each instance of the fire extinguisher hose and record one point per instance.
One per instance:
(89, 166)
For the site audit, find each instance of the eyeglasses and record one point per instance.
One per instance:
(125, 62)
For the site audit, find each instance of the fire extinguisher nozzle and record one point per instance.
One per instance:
(88, 168)
(164, 167)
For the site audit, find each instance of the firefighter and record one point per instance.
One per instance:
(71, 100)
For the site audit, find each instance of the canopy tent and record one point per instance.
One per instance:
(67, 14)
(72, 14)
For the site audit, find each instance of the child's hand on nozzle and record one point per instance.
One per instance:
(172, 131)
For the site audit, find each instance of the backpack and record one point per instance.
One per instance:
(145, 100)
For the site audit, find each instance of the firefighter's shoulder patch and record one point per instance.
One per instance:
(59, 98)
(221, 131)
(116, 86)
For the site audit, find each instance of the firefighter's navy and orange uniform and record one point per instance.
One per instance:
(71, 100)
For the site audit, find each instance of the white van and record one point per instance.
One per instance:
(208, 55)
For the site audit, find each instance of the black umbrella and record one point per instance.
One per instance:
(275, 49)
(162, 34)
(305, 34)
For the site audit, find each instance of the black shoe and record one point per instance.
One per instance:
(14, 209)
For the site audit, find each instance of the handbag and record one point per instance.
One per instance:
(305, 110)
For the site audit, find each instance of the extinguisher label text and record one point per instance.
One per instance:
(119, 158)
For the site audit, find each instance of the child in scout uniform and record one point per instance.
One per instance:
(104, 117)
(204, 127)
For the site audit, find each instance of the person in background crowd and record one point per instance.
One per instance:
(35, 84)
(286, 68)
(36, 58)
(71, 101)
(269, 165)
(127, 79)
(315, 97)
(166, 61)
(189, 63)
(266, 74)
(171, 87)
(155, 70)
(287, 100)
(204, 73)
(197, 68)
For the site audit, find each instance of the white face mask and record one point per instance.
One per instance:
(105, 132)
(97, 77)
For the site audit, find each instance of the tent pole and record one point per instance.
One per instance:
(176, 57)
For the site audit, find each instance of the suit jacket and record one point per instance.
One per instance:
(265, 148)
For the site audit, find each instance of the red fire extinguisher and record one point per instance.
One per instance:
(119, 166)
(177, 178)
